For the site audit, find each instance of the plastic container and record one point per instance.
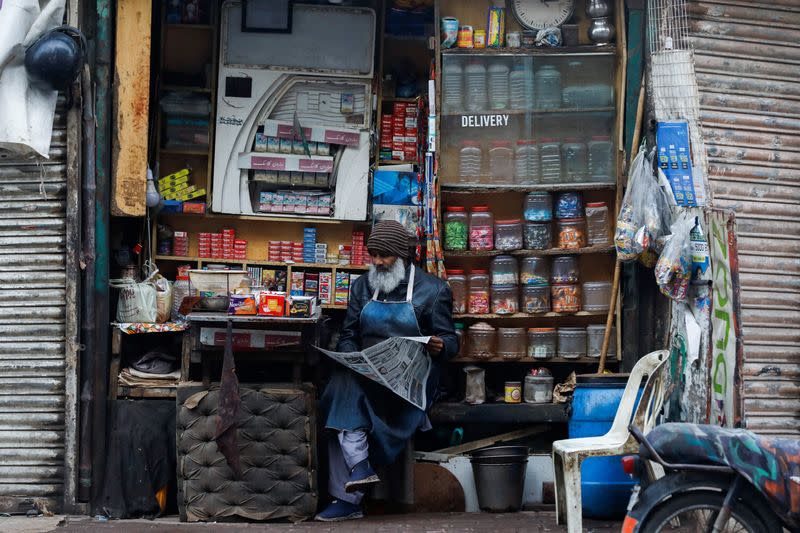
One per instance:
(569, 205)
(538, 207)
(501, 162)
(504, 270)
(548, 87)
(598, 227)
(481, 340)
(470, 159)
(575, 160)
(535, 299)
(505, 299)
(526, 162)
(499, 481)
(481, 228)
(538, 235)
(564, 269)
(478, 292)
(571, 233)
(511, 343)
(475, 86)
(453, 86)
(498, 85)
(535, 271)
(180, 290)
(601, 159)
(550, 160)
(520, 83)
(542, 343)
(594, 341)
(508, 235)
(538, 389)
(596, 295)
(458, 285)
(456, 228)
(571, 342)
(461, 336)
(565, 298)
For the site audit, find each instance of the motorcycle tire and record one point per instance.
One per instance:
(659, 520)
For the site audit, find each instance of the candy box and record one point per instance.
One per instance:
(271, 303)
(301, 306)
(242, 304)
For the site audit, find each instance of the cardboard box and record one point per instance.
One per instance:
(301, 306)
(251, 338)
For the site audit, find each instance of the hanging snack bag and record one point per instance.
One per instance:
(674, 268)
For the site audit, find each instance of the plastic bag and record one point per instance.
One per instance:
(674, 268)
(163, 299)
(644, 216)
(476, 385)
(137, 301)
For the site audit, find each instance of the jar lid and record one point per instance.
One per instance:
(572, 139)
(513, 383)
(526, 141)
(480, 209)
(547, 139)
(509, 221)
(479, 271)
(455, 208)
(542, 330)
(501, 144)
(596, 204)
(471, 143)
(481, 326)
(454, 272)
(601, 138)
(511, 331)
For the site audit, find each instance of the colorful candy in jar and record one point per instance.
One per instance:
(569, 205)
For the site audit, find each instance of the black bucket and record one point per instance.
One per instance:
(499, 474)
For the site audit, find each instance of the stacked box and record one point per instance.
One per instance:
(341, 293)
(297, 202)
(240, 249)
(309, 245)
(320, 252)
(180, 243)
(274, 251)
(297, 285)
(410, 133)
(325, 287)
(311, 284)
(386, 137)
(358, 254)
(297, 252)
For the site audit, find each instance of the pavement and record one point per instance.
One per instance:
(527, 521)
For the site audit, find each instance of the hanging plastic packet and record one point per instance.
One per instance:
(673, 270)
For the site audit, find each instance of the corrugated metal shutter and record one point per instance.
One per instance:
(32, 325)
(747, 58)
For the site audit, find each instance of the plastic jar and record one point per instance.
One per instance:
(501, 162)
(564, 269)
(504, 270)
(508, 235)
(571, 233)
(481, 340)
(571, 342)
(548, 87)
(526, 162)
(180, 290)
(565, 298)
(535, 271)
(511, 343)
(596, 295)
(452, 87)
(575, 160)
(542, 343)
(598, 229)
(505, 299)
(594, 340)
(538, 389)
(456, 223)
(498, 85)
(481, 228)
(601, 159)
(520, 83)
(460, 335)
(478, 292)
(458, 285)
(535, 299)
(470, 160)
(538, 207)
(550, 160)
(569, 205)
(538, 235)
(476, 98)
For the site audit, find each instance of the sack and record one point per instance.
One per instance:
(674, 268)
(137, 301)
(163, 299)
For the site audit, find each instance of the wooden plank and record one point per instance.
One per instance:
(131, 108)
(488, 441)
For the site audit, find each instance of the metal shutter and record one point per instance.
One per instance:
(33, 195)
(747, 59)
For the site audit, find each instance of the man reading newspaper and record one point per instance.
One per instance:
(370, 423)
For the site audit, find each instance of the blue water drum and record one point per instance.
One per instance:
(605, 488)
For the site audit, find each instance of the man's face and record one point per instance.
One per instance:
(383, 262)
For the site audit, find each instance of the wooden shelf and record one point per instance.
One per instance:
(558, 111)
(498, 413)
(274, 217)
(125, 391)
(605, 49)
(259, 262)
(391, 162)
(484, 188)
(198, 152)
(517, 316)
(531, 253)
(531, 361)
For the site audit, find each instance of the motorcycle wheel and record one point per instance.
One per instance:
(695, 512)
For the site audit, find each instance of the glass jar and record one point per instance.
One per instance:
(601, 159)
(538, 235)
(458, 285)
(571, 342)
(542, 343)
(594, 341)
(504, 270)
(565, 298)
(564, 269)
(501, 162)
(526, 162)
(535, 271)
(505, 299)
(456, 224)
(538, 206)
(481, 340)
(535, 299)
(469, 162)
(550, 160)
(596, 295)
(481, 228)
(511, 343)
(508, 235)
(598, 228)
(498, 84)
(475, 84)
(548, 87)
(452, 86)
(571, 233)
(569, 205)
(574, 158)
(459, 327)
(478, 292)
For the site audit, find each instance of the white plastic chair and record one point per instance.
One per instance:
(568, 454)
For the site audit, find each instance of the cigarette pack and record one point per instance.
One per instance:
(325, 280)
(297, 284)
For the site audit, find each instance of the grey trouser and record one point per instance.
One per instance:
(345, 452)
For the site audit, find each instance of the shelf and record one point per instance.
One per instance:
(583, 50)
(392, 162)
(517, 316)
(184, 151)
(125, 391)
(274, 217)
(498, 413)
(401, 100)
(531, 253)
(334, 306)
(258, 262)
(486, 188)
(407, 38)
(186, 88)
(558, 111)
(178, 26)
(531, 361)
(207, 317)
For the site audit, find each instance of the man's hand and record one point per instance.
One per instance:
(435, 346)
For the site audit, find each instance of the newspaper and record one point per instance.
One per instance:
(400, 364)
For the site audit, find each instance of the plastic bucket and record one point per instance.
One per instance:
(500, 477)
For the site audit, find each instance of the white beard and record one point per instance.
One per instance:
(388, 281)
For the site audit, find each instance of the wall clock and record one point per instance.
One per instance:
(540, 14)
